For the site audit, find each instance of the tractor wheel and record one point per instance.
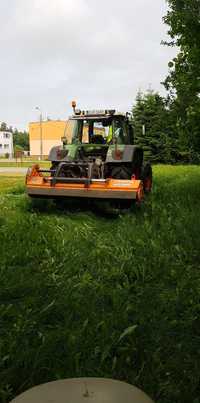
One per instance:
(146, 177)
(120, 172)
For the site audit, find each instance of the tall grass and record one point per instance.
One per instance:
(84, 295)
(11, 184)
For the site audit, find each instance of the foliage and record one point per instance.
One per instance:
(17, 147)
(183, 81)
(20, 140)
(3, 127)
(82, 295)
(150, 112)
(172, 124)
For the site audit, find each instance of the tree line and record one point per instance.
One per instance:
(169, 127)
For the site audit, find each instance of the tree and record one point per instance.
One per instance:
(183, 81)
(3, 127)
(21, 139)
(153, 127)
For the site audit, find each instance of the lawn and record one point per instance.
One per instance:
(11, 183)
(87, 295)
(23, 164)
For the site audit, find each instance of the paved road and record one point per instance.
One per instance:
(12, 170)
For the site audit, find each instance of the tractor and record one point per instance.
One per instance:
(97, 161)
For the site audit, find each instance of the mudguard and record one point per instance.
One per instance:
(124, 154)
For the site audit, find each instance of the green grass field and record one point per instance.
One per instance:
(11, 183)
(23, 164)
(82, 294)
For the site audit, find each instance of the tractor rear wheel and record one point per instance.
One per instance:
(146, 177)
(120, 172)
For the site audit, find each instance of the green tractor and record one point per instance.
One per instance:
(98, 160)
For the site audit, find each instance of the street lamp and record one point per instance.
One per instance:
(41, 143)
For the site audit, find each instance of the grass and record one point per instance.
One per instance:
(10, 183)
(23, 164)
(85, 295)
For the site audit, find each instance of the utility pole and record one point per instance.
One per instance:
(41, 139)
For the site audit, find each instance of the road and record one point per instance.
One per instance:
(13, 170)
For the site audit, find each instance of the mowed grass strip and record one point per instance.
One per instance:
(23, 164)
(85, 295)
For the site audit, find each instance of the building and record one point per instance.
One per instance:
(6, 144)
(43, 136)
(47, 134)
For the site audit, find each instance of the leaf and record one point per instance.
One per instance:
(48, 307)
(85, 324)
(105, 354)
(127, 332)
(114, 363)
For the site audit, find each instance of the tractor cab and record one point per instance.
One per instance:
(99, 127)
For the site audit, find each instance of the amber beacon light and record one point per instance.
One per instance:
(74, 105)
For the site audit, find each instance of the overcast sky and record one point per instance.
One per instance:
(96, 52)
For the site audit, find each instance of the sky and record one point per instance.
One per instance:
(99, 53)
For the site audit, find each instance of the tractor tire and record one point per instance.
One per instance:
(147, 177)
(120, 172)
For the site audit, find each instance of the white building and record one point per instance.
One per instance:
(6, 144)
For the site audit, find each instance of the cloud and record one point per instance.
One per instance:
(97, 52)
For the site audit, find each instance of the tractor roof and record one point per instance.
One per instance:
(98, 114)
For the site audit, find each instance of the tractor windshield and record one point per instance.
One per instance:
(96, 131)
